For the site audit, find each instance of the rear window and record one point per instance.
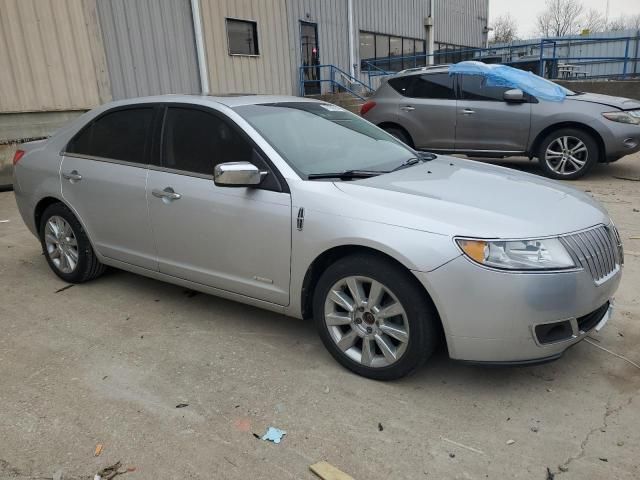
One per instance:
(435, 86)
(120, 135)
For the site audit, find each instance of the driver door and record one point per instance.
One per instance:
(234, 239)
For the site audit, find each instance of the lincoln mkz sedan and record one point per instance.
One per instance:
(300, 207)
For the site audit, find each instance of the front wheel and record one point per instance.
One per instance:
(374, 318)
(568, 154)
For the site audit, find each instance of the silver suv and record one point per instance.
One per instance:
(430, 109)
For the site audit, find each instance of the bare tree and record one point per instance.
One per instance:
(505, 29)
(560, 17)
(594, 21)
(633, 22)
(617, 24)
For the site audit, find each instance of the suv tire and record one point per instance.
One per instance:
(568, 154)
(399, 134)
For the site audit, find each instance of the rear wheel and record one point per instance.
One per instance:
(373, 317)
(568, 154)
(399, 134)
(66, 246)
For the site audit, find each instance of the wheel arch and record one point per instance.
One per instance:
(385, 125)
(334, 254)
(533, 150)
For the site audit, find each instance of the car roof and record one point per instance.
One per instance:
(227, 100)
(429, 69)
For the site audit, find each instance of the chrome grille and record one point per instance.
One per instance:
(597, 250)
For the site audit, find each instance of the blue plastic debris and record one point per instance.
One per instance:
(497, 75)
(274, 435)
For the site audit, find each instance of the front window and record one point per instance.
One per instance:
(317, 138)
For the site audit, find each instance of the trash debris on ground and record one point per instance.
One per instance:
(631, 179)
(563, 468)
(107, 473)
(462, 445)
(64, 288)
(636, 210)
(620, 443)
(452, 455)
(534, 429)
(380, 427)
(274, 435)
(182, 405)
(57, 475)
(98, 450)
(4, 221)
(510, 442)
(550, 475)
(326, 389)
(603, 459)
(326, 471)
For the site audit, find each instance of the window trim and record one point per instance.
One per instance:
(149, 138)
(282, 185)
(455, 87)
(254, 23)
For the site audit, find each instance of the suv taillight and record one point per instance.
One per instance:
(367, 106)
(17, 156)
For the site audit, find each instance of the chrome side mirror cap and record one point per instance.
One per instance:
(237, 174)
(514, 95)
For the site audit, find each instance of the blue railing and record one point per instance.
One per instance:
(332, 75)
(548, 57)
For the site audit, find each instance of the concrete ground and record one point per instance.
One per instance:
(107, 362)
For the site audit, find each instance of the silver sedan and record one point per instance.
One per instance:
(302, 208)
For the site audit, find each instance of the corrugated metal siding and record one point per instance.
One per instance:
(150, 47)
(400, 17)
(45, 57)
(269, 72)
(461, 22)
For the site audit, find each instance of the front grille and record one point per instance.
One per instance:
(597, 250)
(592, 319)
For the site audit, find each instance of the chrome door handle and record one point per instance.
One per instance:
(167, 194)
(72, 176)
(468, 111)
(407, 108)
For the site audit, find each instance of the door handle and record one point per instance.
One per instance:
(408, 108)
(166, 194)
(468, 111)
(72, 176)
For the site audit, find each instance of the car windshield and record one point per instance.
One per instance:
(320, 138)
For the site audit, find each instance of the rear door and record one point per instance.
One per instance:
(104, 174)
(234, 239)
(485, 122)
(428, 109)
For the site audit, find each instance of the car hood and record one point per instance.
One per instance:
(453, 196)
(616, 102)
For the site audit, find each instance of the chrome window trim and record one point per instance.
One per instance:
(104, 159)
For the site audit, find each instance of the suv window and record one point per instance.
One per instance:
(119, 135)
(434, 86)
(474, 87)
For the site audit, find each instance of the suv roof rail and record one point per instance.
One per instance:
(423, 69)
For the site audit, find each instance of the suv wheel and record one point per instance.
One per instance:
(568, 154)
(399, 134)
(373, 318)
(66, 246)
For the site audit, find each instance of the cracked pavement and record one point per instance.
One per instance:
(108, 361)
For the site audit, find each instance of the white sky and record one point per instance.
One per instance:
(526, 11)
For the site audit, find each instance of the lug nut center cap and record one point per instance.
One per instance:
(368, 318)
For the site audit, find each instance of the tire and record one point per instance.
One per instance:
(555, 154)
(418, 319)
(59, 249)
(399, 134)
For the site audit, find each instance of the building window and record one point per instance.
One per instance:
(243, 37)
(448, 53)
(390, 53)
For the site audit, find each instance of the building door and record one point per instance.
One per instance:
(310, 57)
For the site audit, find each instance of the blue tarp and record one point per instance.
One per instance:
(497, 75)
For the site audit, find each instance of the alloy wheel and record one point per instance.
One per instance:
(61, 244)
(566, 155)
(366, 321)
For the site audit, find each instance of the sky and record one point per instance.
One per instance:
(526, 11)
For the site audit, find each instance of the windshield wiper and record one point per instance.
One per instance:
(346, 175)
(424, 157)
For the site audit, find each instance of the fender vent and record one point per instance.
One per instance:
(300, 219)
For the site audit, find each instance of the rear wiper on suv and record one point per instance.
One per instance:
(346, 175)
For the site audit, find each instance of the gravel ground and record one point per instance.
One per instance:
(107, 362)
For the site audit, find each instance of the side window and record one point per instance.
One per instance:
(474, 87)
(120, 135)
(196, 141)
(435, 86)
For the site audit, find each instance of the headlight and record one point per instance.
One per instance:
(631, 117)
(547, 254)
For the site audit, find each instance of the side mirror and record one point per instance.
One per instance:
(514, 95)
(237, 174)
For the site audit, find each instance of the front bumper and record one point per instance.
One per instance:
(491, 316)
(620, 139)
